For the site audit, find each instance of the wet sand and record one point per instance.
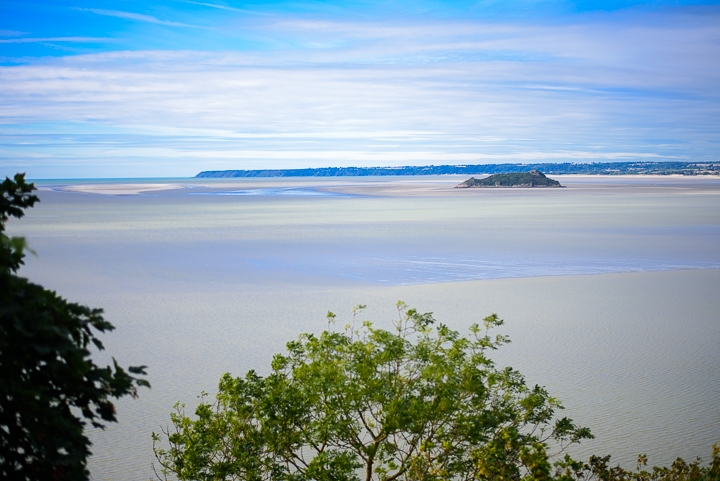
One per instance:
(403, 186)
(119, 189)
(444, 185)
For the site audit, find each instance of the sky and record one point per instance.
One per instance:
(124, 88)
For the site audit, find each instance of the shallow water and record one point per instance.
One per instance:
(344, 231)
(202, 284)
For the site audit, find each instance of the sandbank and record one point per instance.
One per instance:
(410, 186)
(119, 189)
(445, 185)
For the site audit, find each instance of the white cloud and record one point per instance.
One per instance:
(11, 33)
(382, 93)
(138, 17)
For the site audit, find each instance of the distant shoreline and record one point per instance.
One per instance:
(595, 168)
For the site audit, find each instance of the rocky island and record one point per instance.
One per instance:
(534, 178)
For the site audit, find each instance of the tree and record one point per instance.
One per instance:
(48, 382)
(679, 470)
(419, 403)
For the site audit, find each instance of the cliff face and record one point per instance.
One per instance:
(534, 178)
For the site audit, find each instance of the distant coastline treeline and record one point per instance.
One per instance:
(595, 168)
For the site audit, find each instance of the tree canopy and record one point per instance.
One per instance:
(49, 384)
(420, 403)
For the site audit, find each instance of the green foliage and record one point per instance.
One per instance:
(419, 403)
(15, 196)
(598, 468)
(48, 383)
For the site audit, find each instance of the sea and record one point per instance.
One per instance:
(609, 287)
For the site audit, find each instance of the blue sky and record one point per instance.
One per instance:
(170, 88)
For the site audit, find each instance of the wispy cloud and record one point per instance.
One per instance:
(223, 7)
(11, 33)
(138, 17)
(57, 39)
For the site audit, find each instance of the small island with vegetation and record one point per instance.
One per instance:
(534, 178)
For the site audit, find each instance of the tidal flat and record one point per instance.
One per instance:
(609, 287)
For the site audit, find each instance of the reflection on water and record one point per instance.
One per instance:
(202, 284)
